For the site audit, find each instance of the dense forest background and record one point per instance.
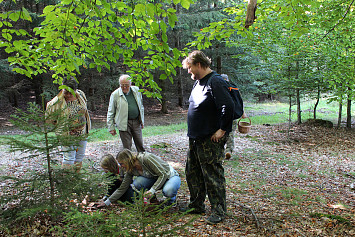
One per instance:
(287, 50)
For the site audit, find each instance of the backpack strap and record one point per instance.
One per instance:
(208, 83)
(232, 87)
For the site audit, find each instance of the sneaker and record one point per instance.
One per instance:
(228, 155)
(214, 219)
(192, 210)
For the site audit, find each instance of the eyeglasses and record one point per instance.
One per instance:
(125, 85)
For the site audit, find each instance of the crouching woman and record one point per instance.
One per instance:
(152, 174)
(115, 175)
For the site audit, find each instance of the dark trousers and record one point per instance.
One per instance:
(134, 130)
(114, 184)
(205, 174)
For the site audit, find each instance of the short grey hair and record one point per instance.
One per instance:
(225, 77)
(124, 77)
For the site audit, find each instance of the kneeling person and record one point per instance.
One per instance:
(152, 173)
(109, 164)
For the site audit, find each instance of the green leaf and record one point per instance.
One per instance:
(48, 9)
(26, 15)
(164, 38)
(7, 36)
(14, 16)
(172, 18)
(65, 2)
(155, 28)
(120, 5)
(18, 44)
(185, 4)
(163, 26)
(139, 10)
(163, 76)
(176, 53)
(151, 10)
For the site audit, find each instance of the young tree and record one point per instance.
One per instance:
(48, 190)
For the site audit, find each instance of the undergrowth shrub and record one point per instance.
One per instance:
(137, 219)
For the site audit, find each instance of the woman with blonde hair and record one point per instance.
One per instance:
(109, 164)
(152, 174)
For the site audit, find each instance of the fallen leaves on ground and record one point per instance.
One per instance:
(280, 181)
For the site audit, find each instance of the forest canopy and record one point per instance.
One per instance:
(292, 48)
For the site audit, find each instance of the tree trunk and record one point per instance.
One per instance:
(13, 98)
(348, 113)
(250, 16)
(289, 115)
(298, 101)
(316, 104)
(37, 83)
(180, 89)
(179, 71)
(219, 64)
(164, 105)
(163, 100)
(340, 111)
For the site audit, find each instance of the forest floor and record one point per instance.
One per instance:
(280, 181)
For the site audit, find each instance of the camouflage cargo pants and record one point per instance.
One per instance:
(230, 140)
(205, 174)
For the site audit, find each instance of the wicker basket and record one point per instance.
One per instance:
(244, 127)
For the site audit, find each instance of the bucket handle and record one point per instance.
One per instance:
(247, 118)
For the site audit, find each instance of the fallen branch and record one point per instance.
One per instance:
(349, 175)
(252, 212)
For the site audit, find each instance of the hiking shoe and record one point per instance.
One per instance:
(192, 210)
(214, 219)
(228, 155)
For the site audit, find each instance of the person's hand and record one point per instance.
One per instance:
(142, 126)
(113, 132)
(148, 194)
(244, 115)
(218, 135)
(101, 204)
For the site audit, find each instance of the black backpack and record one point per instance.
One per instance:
(237, 98)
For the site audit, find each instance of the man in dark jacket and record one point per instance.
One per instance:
(210, 118)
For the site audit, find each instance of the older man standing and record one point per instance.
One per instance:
(209, 121)
(126, 112)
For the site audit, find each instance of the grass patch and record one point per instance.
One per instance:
(249, 186)
(303, 176)
(161, 145)
(294, 195)
(330, 216)
(277, 112)
(102, 134)
(234, 163)
(162, 130)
